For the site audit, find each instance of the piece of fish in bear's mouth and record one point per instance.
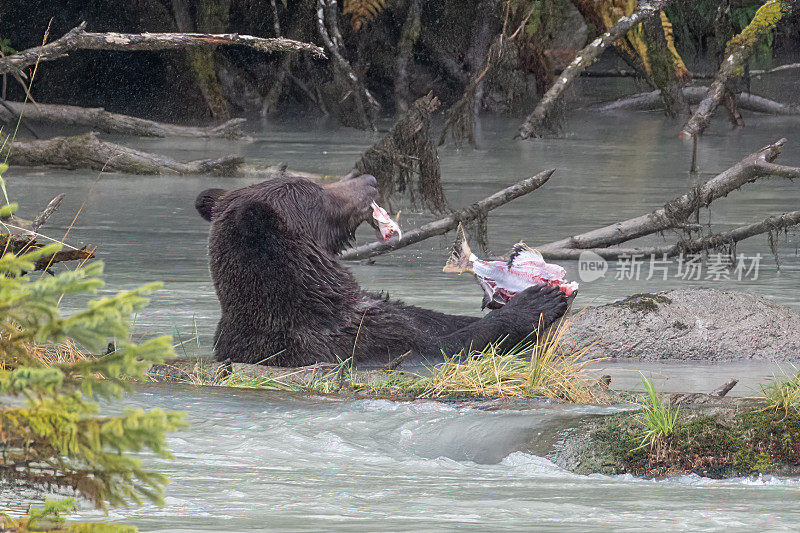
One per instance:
(386, 227)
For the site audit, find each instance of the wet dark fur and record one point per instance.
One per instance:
(287, 299)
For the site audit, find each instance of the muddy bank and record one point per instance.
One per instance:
(715, 437)
(689, 324)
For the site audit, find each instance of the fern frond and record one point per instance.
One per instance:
(363, 11)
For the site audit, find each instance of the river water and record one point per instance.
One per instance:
(256, 460)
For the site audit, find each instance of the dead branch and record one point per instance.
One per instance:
(51, 208)
(439, 227)
(679, 211)
(780, 68)
(725, 388)
(692, 246)
(535, 124)
(87, 151)
(98, 119)
(79, 39)
(737, 53)
(652, 101)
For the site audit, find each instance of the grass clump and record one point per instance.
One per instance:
(783, 395)
(546, 368)
(659, 419)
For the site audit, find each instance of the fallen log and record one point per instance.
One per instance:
(98, 119)
(623, 73)
(738, 51)
(79, 39)
(652, 101)
(23, 243)
(439, 227)
(536, 124)
(87, 151)
(677, 212)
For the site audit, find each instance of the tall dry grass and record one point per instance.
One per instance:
(548, 368)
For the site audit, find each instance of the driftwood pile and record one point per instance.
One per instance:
(87, 151)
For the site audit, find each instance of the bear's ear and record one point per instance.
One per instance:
(256, 220)
(204, 203)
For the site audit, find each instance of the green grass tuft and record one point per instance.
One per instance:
(659, 419)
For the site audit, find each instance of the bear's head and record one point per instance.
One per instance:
(292, 208)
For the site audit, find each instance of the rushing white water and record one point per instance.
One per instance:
(255, 460)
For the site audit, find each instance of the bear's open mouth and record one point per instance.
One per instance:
(385, 226)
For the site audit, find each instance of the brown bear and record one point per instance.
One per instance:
(287, 300)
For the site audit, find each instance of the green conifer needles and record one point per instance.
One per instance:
(57, 436)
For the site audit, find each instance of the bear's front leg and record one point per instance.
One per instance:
(534, 308)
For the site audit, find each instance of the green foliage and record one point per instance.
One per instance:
(659, 419)
(56, 437)
(48, 518)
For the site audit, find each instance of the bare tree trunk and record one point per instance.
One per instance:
(270, 102)
(738, 52)
(79, 39)
(477, 210)
(98, 119)
(366, 105)
(590, 15)
(536, 124)
(87, 151)
(405, 57)
(484, 33)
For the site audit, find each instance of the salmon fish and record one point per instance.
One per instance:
(385, 226)
(501, 280)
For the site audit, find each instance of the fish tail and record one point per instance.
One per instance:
(461, 260)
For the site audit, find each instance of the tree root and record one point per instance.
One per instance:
(406, 160)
